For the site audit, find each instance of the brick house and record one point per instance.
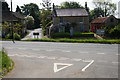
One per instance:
(78, 19)
(102, 22)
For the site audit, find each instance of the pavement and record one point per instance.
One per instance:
(31, 36)
(62, 60)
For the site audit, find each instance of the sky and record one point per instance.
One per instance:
(56, 2)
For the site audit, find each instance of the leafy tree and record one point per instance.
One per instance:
(115, 32)
(97, 12)
(18, 9)
(29, 22)
(106, 6)
(46, 4)
(71, 5)
(34, 11)
(5, 6)
(45, 20)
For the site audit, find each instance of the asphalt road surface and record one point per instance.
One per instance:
(62, 60)
(31, 36)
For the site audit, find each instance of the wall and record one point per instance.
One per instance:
(77, 20)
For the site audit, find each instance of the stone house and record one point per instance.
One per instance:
(102, 22)
(77, 18)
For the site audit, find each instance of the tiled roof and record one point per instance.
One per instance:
(7, 16)
(18, 15)
(100, 20)
(71, 12)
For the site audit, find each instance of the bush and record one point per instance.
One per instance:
(62, 35)
(16, 36)
(115, 32)
(66, 35)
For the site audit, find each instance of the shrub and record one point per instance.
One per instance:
(62, 35)
(66, 35)
(16, 36)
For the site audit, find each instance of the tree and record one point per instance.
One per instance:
(29, 22)
(45, 20)
(106, 6)
(34, 11)
(18, 9)
(46, 4)
(5, 6)
(97, 12)
(71, 5)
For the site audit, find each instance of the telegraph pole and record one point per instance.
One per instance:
(12, 24)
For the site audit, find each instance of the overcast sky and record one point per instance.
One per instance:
(57, 2)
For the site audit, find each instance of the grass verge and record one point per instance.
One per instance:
(6, 64)
(117, 41)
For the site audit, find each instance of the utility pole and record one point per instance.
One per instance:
(12, 24)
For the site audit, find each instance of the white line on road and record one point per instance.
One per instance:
(60, 64)
(118, 54)
(65, 51)
(83, 52)
(22, 48)
(92, 61)
(100, 53)
(115, 62)
(76, 59)
(50, 50)
(51, 57)
(36, 49)
(63, 58)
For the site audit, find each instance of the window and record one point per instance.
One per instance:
(82, 29)
(81, 19)
(61, 20)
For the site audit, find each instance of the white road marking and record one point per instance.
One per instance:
(115, 62)
(22, 48)
(76, 59)
(36, 49)
(83, 52)
(100, 53)
(42, 56)
(65, 51)
(60, 64)
(11, 55)
(118, 54)
(63, 58)
(50, 50)
(51, 57)
(91, 62)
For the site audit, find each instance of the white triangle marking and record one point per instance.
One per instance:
(62, 64)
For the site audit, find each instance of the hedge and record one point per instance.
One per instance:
(67, 35)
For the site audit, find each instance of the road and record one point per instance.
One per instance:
(31, 36)
(62, 60)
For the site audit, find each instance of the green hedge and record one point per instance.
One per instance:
(77, 40)
(67, 35)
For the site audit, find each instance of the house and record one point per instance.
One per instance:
(15, 17)
(75, 19)
(102, 22)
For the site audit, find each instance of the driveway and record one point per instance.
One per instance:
(31, 36)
